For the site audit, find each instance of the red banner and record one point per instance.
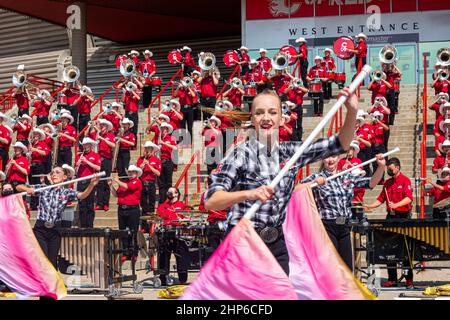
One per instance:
(324, 9)
(403, 5)
(434, 5)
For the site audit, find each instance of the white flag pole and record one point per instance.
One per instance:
(352, 88)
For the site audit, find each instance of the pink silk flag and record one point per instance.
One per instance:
(242, 268)
(24, 268)
(317, 271)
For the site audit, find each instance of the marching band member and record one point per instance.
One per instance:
(281, 81)
(227, 125)
(106, 144)
(172, 110)
(295, 95)
(360, 51)
(67, 137)
(42, 105)
(393, 76)
(317, 73)
(186, 96)
(439, 84)
(19, 166)
(128, 196)
(39, 151)
(442, 159)
(441, 127)
(112, 114)
(84, 104)
(23, 128)
(23, 98)
(379, 88)
(133, 55)
(168, 147)
(50, 132)
(188, 63)
(254, 76)
(148, 70)
(168, 211)
(198, 89)
(329, 66)
(5, 140)
(208, 90)
(441, 99)
(213, 142)
(126, 142)
(285, 131)
(154, 127)
(440, 191)
(72, 92)
(234, 94)
(379, 130)
(244, 60)
(150, 165)
(88, 163)
(288, 109)
(397, 194)
(230, 189)
(334, 201)
(264, 62)
(364, 136)
(303, 58)
(130, 99)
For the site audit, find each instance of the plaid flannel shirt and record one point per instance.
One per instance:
(248, 167)
(52, 202)
(334, 198)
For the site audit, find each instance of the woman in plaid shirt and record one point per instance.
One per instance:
(244, 175)
(334, 200)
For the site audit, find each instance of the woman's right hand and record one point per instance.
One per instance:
(321, 181)
(262, 194)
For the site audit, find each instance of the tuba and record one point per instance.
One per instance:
(207, 61)
(378, 75)
(388, 54)
(19, 78)
(236, 83)
(443, 56)
(127, 68)
(71, 74)
(280, 61)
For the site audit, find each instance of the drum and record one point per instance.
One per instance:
(291, 52)
(174, 56)
(250, 90)
(189, 233)
(341, 46)
(230, 58)
(315, 89)
(156, 83)
(339, 79)
(330, 76)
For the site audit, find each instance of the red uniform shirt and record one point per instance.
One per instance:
(378, 133)
(85, 170)
(362, 48)
(439, 162)
(245, 58)
(436, 108)
(132, 195)
(438, 194)
(104, 150)
(188, 60)
(185, 97)
(254, 75)
(114, 119)
(42, 107)
(385, 118)
(293, 122)
(235, 97)
(303, 49)
(441, 86)
(166, 152)
(344, 164)
(70, 131)
(280, 83)
(147, 173)
(135, 60)
(213, 137)
(154, 129)
(22, 100)
(22, 134)
(131, 103)
(49, 142)
(174, 120)
(207, 87)
(5, 134)
(283, 135)
(225, 122)
(148, 65)
(398, 188)
(36, 157)
(168, 210)
(437, 130)
(329, 63)
(265, 63)
(129, 136)
(365, 133)
(378, 90)
(213, 215)
(14, 174)
(391, 76)
(71, 96)
(295, 95)
(84, 105)
(316, 71)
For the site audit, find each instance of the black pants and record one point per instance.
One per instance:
(377, 148)
(244, 70)
(304, 71)
(129, 218)
(64, 156)
(73, 108)
(387, 134)
(299, 122)
(23, 111)
(48, 163)
(4, 156)
(35, 169)
(357, 63)
(340, 236)
(207, 102)
(188, 118)
(181, 252)
(187, 70)
(327, 90)
(392, 267)
(318, 103)
(148, 201)
(103, 192)
(390, 98)
(133, 116)
(366, 154)
(165, 179)
(215, 235)
(439, 213)
(49, 240)
(83, 121)
(86, 210)
(41, 120)
(146, 95)
(123, 161)
(396, 94)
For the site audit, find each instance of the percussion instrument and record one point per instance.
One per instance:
(291, 53)
(174, 57)
(230, 58)
(315, 88)
(330, 76)
(339, 79)
(156, 83)
(94, 255)
(341, 46)
(250, 90)
(442, 204)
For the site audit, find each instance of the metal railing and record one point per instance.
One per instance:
(185, 176)
(423, 146)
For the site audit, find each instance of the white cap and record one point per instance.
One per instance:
(217, 120)
(167, 125)
(45, 93)
(128, 121)
(186, 48)
(243, 48)
(253, 61)
(25, 116)
(444, 106)
(445, 143)
(361, 35)
(132, 167)
(444, 94)
(355, 145)
(196, 72)
(382, 99)
(47, 125)
(361, 113)
(318, 58)
(164, 116)
(21, 67)
(116, 104)
(69, 169)
(88, 140)
(262, 50)
(149, 144)
(106, 123)
(301, 39)
(19, 144)
(134, 52)
(290, 104)
(377, 113)
(328, 49)
(148, 52)
(67, 116)
(40, 132)
(175, 102)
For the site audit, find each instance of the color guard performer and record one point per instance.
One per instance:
(126, 142)
(148, 69)
(168, 147)
(67, 138)
(88, 163)
(317, 74)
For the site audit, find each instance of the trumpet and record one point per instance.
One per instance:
(378, 75)
(443, 74)
(186, 82)
(296, 82)
(236, 83)
(443, 56)
(71, 74)
(388, 54)
(280, 61)
(14, 119)
(107, 108)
